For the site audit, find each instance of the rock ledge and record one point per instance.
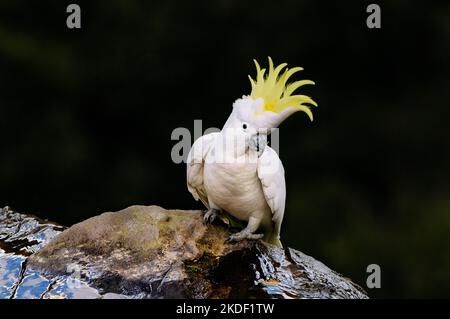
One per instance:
(151, 252)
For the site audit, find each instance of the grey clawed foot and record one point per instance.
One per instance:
(210, 216)
(244, 235)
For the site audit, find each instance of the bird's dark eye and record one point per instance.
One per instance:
(244, 126)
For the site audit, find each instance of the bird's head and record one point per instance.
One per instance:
(271, 101)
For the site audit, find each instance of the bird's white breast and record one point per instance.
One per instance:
(233, 185)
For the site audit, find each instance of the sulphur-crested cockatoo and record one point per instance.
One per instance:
(234, 170)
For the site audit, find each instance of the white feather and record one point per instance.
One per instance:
(271, 175)
(195, 162)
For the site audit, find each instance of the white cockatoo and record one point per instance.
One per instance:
(234, 170)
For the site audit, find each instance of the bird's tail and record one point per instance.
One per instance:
(273, 238)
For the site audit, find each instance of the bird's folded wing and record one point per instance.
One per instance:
(271, 175)
(195, 162)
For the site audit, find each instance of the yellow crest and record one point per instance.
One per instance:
(275, 91)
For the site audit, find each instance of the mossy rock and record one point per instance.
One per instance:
(151, 252)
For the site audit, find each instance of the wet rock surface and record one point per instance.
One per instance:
(150, 252)
(20, 236)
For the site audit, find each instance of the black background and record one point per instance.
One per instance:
(86, 118)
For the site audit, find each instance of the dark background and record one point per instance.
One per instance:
(86, 118)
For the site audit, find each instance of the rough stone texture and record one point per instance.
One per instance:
(150, 252)
(24, 234)
(20, 236)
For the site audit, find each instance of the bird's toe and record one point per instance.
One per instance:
(243, 235)
(255, 236)
(234, 238)
(209, 216)
(212, 218)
